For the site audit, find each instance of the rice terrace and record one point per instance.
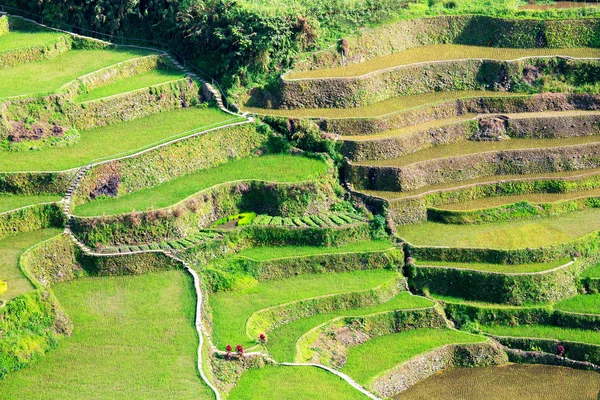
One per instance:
(300, 199)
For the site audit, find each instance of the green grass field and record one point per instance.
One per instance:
(501, 268)
(267, 168)
(534, 198)
(505, 235)
(379, 354)
(282, 341)
(292, 383)
(545, 332)
(11, 249)
(53, 73)
(144, 80)
(439, 52)
(511, 381)
(231, 310)
(117, 140)
(584, 303)
(485, 180)
(269, 253)
(592, 272)
(14, 40)
(382, 108)
(468, 147)
(12, 201)
(133, 338)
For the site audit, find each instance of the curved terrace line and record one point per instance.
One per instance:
(548, 271)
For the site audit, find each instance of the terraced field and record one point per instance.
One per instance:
(11, 249)
(435, 53)
(11, 201)
(499, 268)
(22, 39)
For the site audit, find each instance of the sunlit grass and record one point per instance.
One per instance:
(133, 338)
(439, 52)
(14, 40)
(584, 303)
(12, 201)
(231, 310)
(267, 168)
(117, 139)
(140, 81)
(500, 268)
(545, 332)
(505, 235)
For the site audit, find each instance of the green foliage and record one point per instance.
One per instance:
(242, 219)
(30, 219)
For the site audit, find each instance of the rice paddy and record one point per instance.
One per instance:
(136, 82)
(11, 248)
(282, 341)
(512, 381)
(51, 74)
(133, 338)
(118, 139)
(382, 108)
(545, 332)
(583, 303)
(437, 53)
(231, 310)
(171, 192)
(11, 201)
(498, 268)
(14, 40)
(379, 354)
(522, 234)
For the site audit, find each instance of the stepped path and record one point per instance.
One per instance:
(437, 53)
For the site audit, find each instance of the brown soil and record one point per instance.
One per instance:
(20, 132)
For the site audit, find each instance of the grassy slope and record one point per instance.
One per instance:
(592, 272)
(379, 354)
(483, 180)
(437, 53)
(133, 339)
(230, 310)
(123, 138)
(512, 381)
(544, 331)
(268, 253)
(10, 202)
(11, 249)
(282, 341)
(144, 80)
(505, 235)
(52, 74)
(468, 147)
(502, 268)
(584, 303)
(292, 383)
(381, 108)
(536, 198)
(266, 168)
(21, 39)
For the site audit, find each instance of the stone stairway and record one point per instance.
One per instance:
(71, 189)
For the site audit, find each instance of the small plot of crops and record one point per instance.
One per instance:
(133, 338)
(534, 198)
(483, 180)
(292, 383)
(512, 381)
(140, 81)
(439, 52)
(468, 147)
(11, 201)
(505, 235)
(381, 108)
(180, 244)
(231, 310)
(11, 249)
(54, 73)
(545, 332)
(312, 221)
(266, 168)
(117, 140)
(500, 268)
(584, 303)
(268, 253)
(23, 39)
(282, 341)
(379, 354)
